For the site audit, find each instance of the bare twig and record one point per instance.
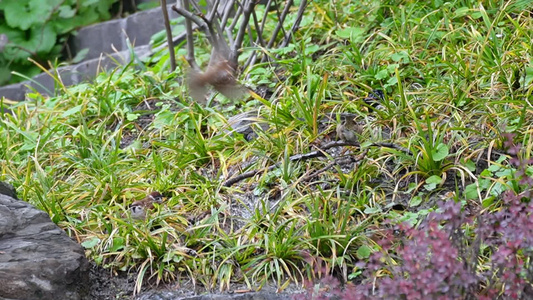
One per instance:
(196, 7)
(169, 35)
(280, 23)
(214, 11)
(304, 156)
(236, 18)
(318, 172)
(297, 157)
(228, 8)
(258, 30)
(331, 164)
(225, 52)
(190, 41)
(296, 24)
(248, 8)
(267, 9)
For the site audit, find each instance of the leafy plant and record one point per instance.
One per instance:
(39, 29)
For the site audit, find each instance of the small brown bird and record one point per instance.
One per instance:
(139, 209)
(220, 75)
(348, 130)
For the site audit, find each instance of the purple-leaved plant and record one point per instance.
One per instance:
(439, 258)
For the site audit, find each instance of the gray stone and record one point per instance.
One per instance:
(16, 91)
(43, 84)
(8, 190)
(100, 38)
(141, 26)
(37, 259)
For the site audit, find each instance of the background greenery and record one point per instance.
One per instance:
(39, 29)
(456, 76)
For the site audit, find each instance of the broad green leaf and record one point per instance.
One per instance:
(431, 182)
(88, 244)
(132, 116)
(66, 11)
(486, 173)
(471, 191)
(505, 173)
(470, 165)
(25, 14)
(72, 111)
(5, 74)
(80, 55)
(40, 40)
(493, 168)
(487, 202)
(118, 244)
(400, 56)
(364, 252)
(372, 210)
(461, 12)
(529, 76)
(382, 74)
(440, 153)
(354, 34)
(311, 49)
(415, 201)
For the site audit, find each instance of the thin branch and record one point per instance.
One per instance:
(196, 7)
(305, 156)
(296, 24)
(228, 8)
(190, 16)
(258, 30)
(169, 35)
(293, 158)
(280, 23)
(214, 40)
(331, 164)
(189, 33)
(248, 174)
(248, 8)
(214, 11)
(265, 15)
(236, 18)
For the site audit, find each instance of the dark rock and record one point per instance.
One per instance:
(8, 190)
(100, 38)
(15, 92)
(37, 259)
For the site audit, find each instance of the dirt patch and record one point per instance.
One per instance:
(106, 285)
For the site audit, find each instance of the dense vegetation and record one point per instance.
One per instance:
(36, 31)
(433, 201)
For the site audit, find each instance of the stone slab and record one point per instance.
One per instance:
(37, 259)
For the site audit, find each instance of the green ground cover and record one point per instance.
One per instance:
(456, 77)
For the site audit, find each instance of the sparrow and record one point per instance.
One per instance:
(220, 75)
(347, 130)
(139, 209)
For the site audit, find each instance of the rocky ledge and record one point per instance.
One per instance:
(37, 259)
